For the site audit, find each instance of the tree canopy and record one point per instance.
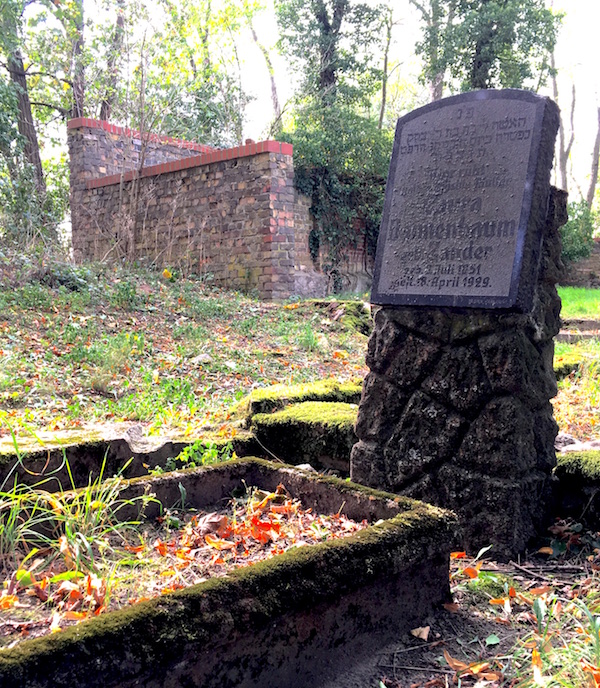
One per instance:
(486, 43)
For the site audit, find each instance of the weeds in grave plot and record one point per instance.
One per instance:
(58, 552)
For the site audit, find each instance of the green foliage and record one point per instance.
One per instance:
(341, 161)
(488, 44)
(24, 214)
(333, 44)
(125, 295)
(201, 453)
(577, 233)
(341, 158)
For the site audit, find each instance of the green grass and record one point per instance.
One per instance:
(578, 302)
(82, 346)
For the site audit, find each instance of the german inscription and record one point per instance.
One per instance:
(457, 202)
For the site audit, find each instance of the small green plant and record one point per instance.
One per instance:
(125, 295)
(87, 520)
(308, 339)
(82, 527)
(201, 453)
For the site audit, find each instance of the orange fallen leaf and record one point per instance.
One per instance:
(540, 591)
(458, 555)
(455, 664)
(545, 550)
(593, 670)
(7, 601)
(218, 543)
(160, 547)
(499, 600)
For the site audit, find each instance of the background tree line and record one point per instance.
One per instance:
(176, 67)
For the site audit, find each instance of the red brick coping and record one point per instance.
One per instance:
(207, 154)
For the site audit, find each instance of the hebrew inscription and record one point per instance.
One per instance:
(457, 202)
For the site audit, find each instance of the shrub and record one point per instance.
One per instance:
(341, 162)
(578, 232)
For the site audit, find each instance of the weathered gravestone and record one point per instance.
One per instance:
(455, 409)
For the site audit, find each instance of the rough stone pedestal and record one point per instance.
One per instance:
(455, 409)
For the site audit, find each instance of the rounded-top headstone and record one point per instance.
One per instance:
(466, 202)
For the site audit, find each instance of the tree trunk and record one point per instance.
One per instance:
(564, 151)
(78, 68)
(594, 175)
(328, 40)
(384, 79)
(433, 16)
(112, 67)
(482, 65)
(267, 58)
(25, 123)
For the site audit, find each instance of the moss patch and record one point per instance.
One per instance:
(581, 466)
(315, 432)
(357, 317)
(268, 399)
(567, 363)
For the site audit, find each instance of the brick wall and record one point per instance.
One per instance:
(230, 214)
(586, 272)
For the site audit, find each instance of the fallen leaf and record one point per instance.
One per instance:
(422, 632)
(454, 664)
(451, 607)
(8, 601)
(545, 550)
(218, 543)
(541, 590)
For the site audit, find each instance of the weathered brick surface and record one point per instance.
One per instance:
(233, 214)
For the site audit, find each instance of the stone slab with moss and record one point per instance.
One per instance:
(577, 487)
(268, 399)
(353, 315)
(295, 619)
(567, 363)
(58, 459)
(320, 433)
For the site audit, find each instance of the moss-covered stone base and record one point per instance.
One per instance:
(316, 432)
(293, 620)
(268, 399)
